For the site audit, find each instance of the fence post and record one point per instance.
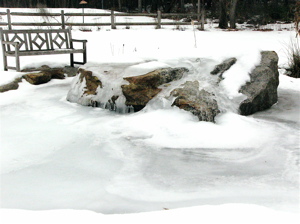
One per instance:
(62, 14)
(9, 19)
(158, 20)
(113, 25)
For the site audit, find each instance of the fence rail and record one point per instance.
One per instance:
(64, 16)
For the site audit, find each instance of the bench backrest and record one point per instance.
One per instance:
(30, 40)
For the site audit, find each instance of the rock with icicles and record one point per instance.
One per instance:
(141, 89)
(87, 89)
(198, 90)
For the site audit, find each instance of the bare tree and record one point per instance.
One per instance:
(223, 21)
(297, 19)
(201, 10)
(232, 14)
(140, 5)
(120, 5)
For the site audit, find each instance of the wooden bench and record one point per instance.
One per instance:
(17, 43)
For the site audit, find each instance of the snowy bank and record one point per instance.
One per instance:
(228, 213)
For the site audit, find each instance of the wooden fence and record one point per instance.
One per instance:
(158, 23)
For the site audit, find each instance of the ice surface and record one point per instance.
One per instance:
(56, 155)
(60, 155)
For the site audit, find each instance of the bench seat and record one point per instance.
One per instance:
(45, 52)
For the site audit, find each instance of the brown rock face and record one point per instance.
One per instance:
(143, 88)
(37, 78)
(92, 82)
(11, 86)
(138, 96)
(56, 73)
(45, 75)
(199, 102)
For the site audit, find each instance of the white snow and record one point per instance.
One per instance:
(71, 161)
(230, 213)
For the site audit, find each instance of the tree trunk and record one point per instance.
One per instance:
(198, 9)
(202, 15)
(120, 5)
(140, 6)
(232, 14)
(223, 21)
(182, 6)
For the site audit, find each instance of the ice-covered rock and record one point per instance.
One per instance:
(201, 103)
(143, 88)
(91, 82)
(243, 89)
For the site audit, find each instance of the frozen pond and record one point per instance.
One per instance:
(57, 154)
(61, 155)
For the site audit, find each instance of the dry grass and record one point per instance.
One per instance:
(293, 53)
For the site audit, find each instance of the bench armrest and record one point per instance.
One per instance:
(10, 42)
(76, 40)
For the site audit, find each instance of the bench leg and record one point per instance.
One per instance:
(84, 57)
(5, 63)
(18, 64)
(72, 60)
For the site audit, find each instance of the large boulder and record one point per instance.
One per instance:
(201, 103)
(261, 91)
(141, 89)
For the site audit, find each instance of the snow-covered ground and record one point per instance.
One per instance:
(57, 155)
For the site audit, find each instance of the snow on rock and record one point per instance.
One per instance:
(261, 90)
(261, 93)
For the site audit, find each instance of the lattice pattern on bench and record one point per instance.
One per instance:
(39, 40)
(15, 37)
(59, 41)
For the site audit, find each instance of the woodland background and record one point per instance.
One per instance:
(257, 11)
